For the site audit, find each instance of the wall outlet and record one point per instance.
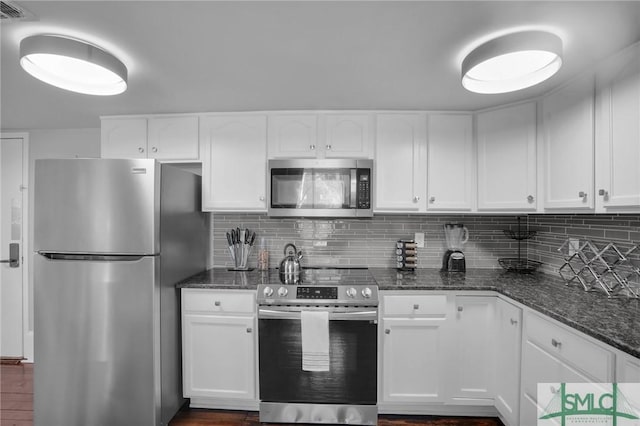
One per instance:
(574, 245)
(419, 239)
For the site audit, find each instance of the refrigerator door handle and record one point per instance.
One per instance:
(94, 257)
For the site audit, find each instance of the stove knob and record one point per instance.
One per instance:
(366, 292)
(282, 291)
(352, 292)
(268, 292)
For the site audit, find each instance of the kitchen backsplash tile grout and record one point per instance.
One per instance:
(371, 242)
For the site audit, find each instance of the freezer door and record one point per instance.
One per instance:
(96, 206)
(96, 342)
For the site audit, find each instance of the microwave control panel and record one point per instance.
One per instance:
(364, 189)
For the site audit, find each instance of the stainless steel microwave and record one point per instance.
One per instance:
(320, 188)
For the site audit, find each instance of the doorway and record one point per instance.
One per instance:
(14, 295)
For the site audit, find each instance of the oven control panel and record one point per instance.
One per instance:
(317, 292)
(312, 294)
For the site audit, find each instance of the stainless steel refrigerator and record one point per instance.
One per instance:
(112, 237)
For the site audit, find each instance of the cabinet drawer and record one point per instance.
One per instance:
(218, 301)
(570, 347)
(423, 305)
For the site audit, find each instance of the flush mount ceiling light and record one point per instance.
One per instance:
(512, 62)
(73, 65)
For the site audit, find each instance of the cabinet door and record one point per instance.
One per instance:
(472, 356)
(173, 138)
(348, 136)
(450, 168)
(507, 352)
(414, 354)
(400, 163)
(293, 136)
(539, 366)
(124, 138)
(219, 356)
(568, 133)
(507, 158)
(618, 146)
(234, 163)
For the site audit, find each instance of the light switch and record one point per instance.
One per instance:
(419, 239)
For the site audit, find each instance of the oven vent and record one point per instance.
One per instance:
(10, 12)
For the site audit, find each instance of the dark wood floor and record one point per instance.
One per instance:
(16, 408)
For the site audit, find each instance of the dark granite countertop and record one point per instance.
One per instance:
(614, 321)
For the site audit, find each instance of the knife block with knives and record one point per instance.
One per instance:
(406, 255)
(240, 245)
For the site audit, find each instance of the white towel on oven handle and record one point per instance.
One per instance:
(315, 340)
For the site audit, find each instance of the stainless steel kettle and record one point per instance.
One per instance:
(290, 265)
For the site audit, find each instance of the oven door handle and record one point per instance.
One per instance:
(333, 316)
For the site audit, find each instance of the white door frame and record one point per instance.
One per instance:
(27, 288)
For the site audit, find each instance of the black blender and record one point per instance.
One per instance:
(455, 234)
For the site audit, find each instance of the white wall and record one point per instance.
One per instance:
(72, 143)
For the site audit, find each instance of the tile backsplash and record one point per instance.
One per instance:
(367, 242)
(600, 229)
(371, 242)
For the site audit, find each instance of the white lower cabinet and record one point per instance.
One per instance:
(553, 353)
(508, 329)
(219, 348)
(471, 376)
(414, 358)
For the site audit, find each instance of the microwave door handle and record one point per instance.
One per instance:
(354, 189)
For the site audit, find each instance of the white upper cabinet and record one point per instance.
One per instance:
(618, 133)
(450, 168)
(234, 162)
(293, 136)
(167, 138)
(400, 163)
(348, 135)
(568, 146)
(321, 135)
(507, 158)
(173, 138)
(123, 138)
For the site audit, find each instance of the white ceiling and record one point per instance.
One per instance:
(203, 56)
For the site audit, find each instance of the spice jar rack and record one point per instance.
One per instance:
(609, 269)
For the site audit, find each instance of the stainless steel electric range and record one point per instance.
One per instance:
(318, 348)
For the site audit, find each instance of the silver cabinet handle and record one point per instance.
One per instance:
(14, 256)
(154, 149)
(141, 149)
(513, 322)
(416, 199)
(582, 194)
(530, 198)
(460, 308)
(262, 198)
(387, 331)
(416, 307)
(432, 199)
(312, 147)
(328, 147)
(216, 303)
(249, 329)
(603, 193)
(555, 343)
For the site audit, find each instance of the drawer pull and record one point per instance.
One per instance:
(513, 322)
(460, 308)
(249, 330)
(555, 343)
(416, 307)
(216, 303)
(387, 331)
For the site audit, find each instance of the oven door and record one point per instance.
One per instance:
(352, 375)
